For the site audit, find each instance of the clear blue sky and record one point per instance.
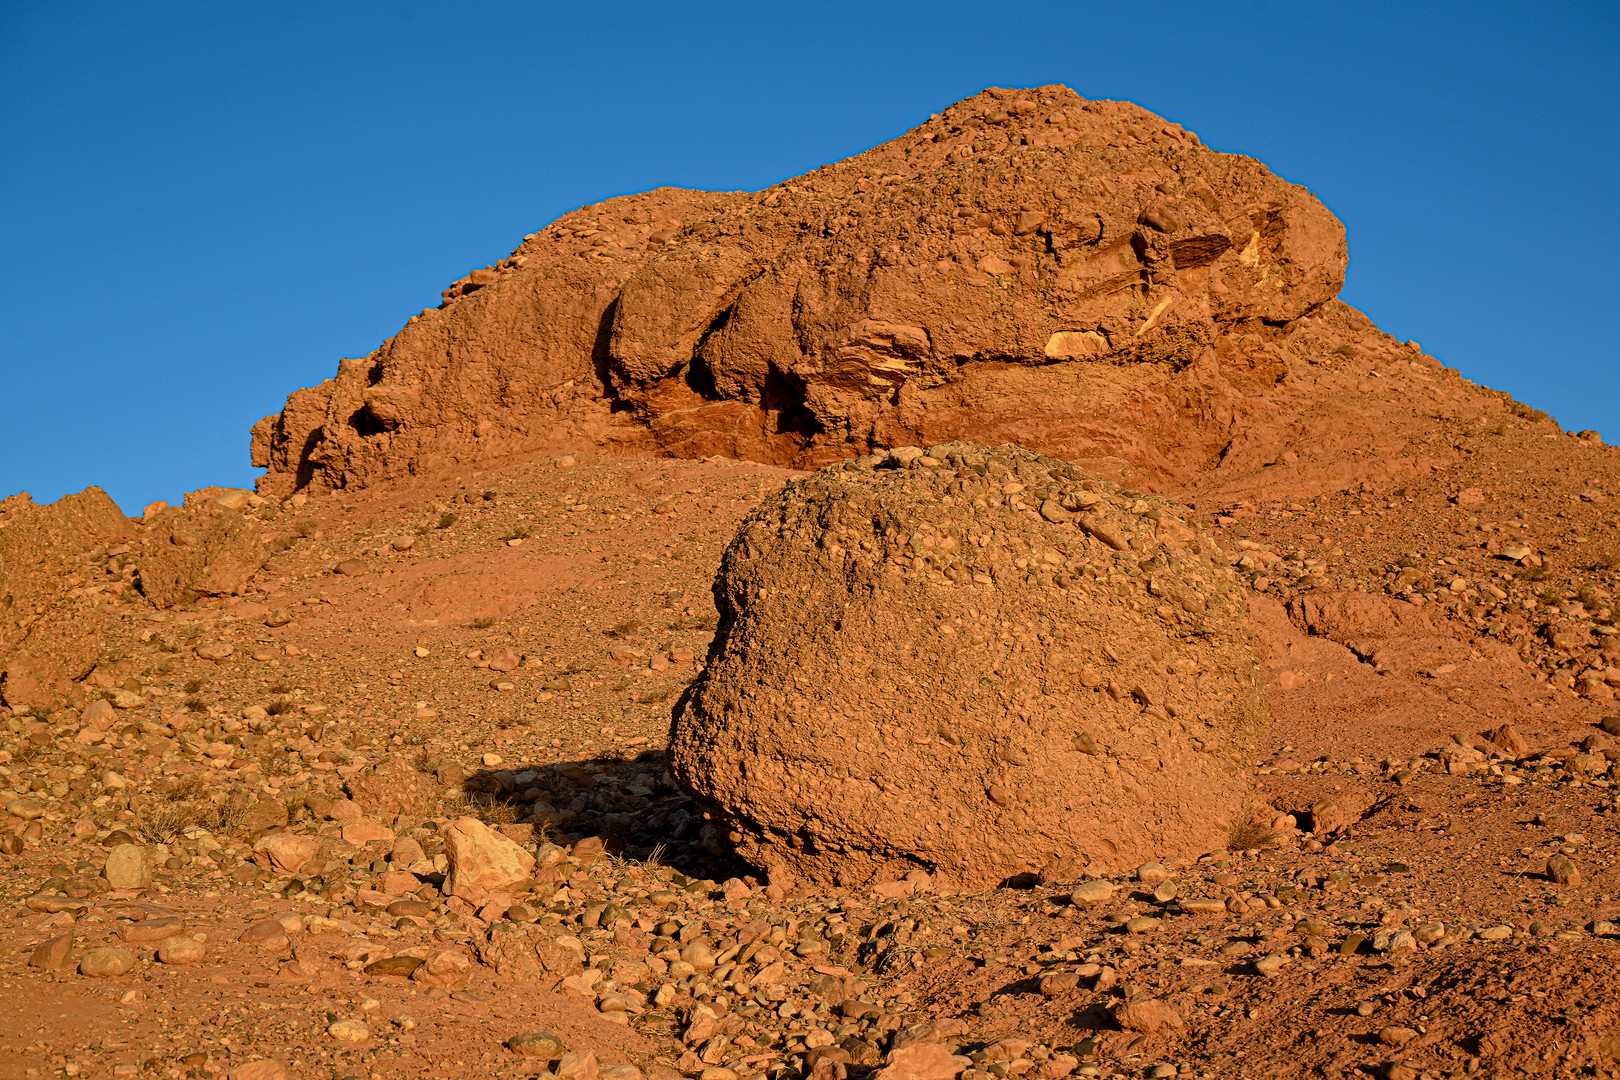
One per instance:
(204, 206)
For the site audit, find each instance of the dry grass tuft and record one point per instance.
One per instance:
(1249, 834)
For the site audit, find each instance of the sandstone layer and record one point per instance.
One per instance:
(970, 663)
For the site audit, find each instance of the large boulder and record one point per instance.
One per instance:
(210, 550)
(970, 662)
(54, 592)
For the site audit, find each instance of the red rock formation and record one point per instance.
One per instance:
(1081, 277)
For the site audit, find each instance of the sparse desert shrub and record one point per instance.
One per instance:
(1525, 412)
(283, 764)
(488, 808)
(1249, 834)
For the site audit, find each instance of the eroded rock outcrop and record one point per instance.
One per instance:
(969, 663)
(1079, 276)
(204, 550)
(51, 610)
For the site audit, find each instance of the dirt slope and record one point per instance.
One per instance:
(533, 682)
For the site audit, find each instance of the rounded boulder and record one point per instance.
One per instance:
(970, 661)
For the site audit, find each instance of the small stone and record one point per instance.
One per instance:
(106, 961)
(52, 955)
(287, 852)
(403, 543)
(699, 956)
(546, 1045)
(349, 1031)
(29, 807)
(1165, 892)
(1562, 869)
(578, 1065)
(1089, 893)
(263, 1069)
(148, 930)
(1059, 982)
(279, 617)
(404, 966)
(448, 969)
(1429, 933)
(1396, 1036)
(1202, 906)
(1151, 873)
(99, 715)
(921, 1061)
(128, 866)
(1496, 933)
(1142, 924)
(350, 568)
(214, 650)
(1147, 1015)
(181, 951)
(1270, 964)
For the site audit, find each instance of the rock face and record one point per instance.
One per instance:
(969, 662)
(50, 626)
(207, 551)
(1078, 276)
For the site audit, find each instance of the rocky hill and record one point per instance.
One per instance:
(373, 774)
(1081, 277)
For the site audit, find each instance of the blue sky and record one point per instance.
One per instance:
(205, 206)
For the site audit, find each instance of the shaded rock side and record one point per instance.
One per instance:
(206, 551)
(1083, 277)
(52, 600)
(970, 662)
